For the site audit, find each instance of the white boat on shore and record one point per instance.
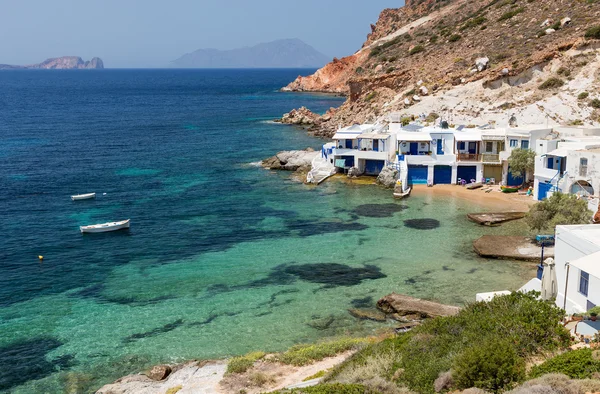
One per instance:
(403, 194)
(86, 196)
(105, 227)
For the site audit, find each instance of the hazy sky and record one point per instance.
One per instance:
(150, 33)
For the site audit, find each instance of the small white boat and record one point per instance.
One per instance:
(105, 227)
(86, 196)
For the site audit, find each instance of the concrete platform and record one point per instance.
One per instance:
(490, 219)
(510, 247)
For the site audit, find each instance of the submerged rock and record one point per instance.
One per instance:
(367, 314)
(399, 305)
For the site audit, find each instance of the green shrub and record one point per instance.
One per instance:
(360, 70)
(583, 96)
(520, 321)
(243, 363)
(305, 354)
(454, 37)
(577, 364)
(552, 83)
(333, 388)
(593, 32)
(416, 49)
(390, 70)
(510, 14)
(370, 96)
(595, 103)
(559, 209)
(492, 366)
(478, 20)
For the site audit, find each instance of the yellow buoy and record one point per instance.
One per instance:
(41, 258)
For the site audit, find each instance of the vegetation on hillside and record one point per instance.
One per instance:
(485, 345)
(559, 209)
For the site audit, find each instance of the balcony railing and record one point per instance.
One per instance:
(469, 157)
(490, 158)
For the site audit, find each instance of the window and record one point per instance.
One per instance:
(583, 166)
(461, 146)
(513, 143)
(584, 281)
(524, 144)
(489, 147)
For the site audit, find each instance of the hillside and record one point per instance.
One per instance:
(535, 60)
(60, 63)
(291, 53)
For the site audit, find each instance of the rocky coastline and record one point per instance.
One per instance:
(211, 376)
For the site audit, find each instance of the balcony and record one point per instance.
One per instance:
(468, 157)
(490, 158)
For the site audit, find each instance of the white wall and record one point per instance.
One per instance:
(573, 170)
(570, 247)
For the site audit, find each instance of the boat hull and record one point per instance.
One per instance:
(403, 194)
(87, 196)
(508, 189)
(105, 227)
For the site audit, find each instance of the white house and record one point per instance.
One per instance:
(569, 164)
(577, 258)
(428, 153)
(368, 147)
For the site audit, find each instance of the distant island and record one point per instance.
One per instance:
(288, 53)
(60, 63)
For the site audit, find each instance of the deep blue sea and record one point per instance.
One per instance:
(222, 256)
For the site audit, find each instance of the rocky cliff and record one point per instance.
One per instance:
(471, 62)
(62, 63)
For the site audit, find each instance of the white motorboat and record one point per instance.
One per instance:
(86, 196)
(105, 227)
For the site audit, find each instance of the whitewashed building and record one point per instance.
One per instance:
(577, 257)
(367, 147)
(570, 164)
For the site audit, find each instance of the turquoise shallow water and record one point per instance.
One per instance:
(223, 257)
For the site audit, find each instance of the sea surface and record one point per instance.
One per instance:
(223, 257)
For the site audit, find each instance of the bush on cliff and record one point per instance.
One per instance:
(507, 331)
(576, 364)
(557, 210)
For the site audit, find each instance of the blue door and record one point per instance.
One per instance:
(466, 172)
(373, 167)
(376, 145)
(349, 160)
(417, 175)
(543, 188)
(440, 146)
(513, 180)
(472, 148)
(442, 175)
(414, 148)
(348, 144)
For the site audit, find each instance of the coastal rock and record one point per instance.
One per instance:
(290, 160)
(400, 305)
(353, 172)
(301, 116)
(159, 372)
(368, 314)
(482, 63)
(387, 177)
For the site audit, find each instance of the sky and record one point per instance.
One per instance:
(151, 33)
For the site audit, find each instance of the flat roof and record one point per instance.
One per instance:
(373, 136)
(414, 136)
(467, 136)
(587, 232)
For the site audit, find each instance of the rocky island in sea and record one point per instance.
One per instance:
(59, 63)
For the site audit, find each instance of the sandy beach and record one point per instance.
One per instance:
(495, 199)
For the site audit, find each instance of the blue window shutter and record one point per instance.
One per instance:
(584, 281)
